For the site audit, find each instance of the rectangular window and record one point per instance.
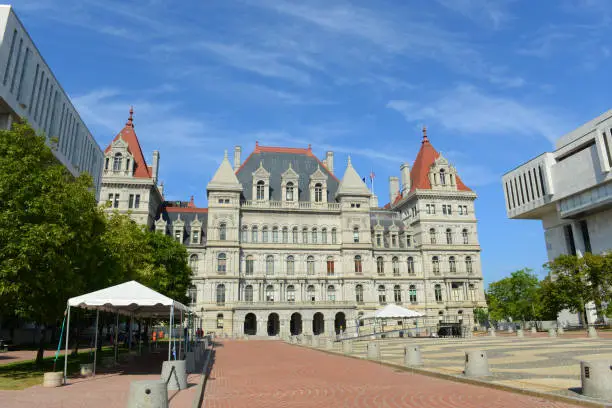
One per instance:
(334, 238)
(378, 240)
(444, 209)
(584, 228)
(137, 201)
(10, 57)
(408, 240)
(249, 266)
(110, 199)
(569, 239)
(116, 202)
(195, 236)
(131, 201)
(394, 240)
(542, 184)
(33, 89)
(428, 208)
(607, 146)
(16, 65)
(433, 209)
(449, 209)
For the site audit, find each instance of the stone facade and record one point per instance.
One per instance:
(287, 247)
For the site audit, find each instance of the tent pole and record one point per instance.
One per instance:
(181, 337)
(66, 353)
(116, 337)
(170, 331)
(129, 333)
(96, 342)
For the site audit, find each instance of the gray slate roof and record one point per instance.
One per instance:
(187, 218)
(276, 164)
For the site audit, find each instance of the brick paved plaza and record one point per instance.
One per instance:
(276, 374)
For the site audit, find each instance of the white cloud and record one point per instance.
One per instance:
(470, 111)
(494, 12)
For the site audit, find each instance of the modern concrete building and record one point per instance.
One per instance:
(569, 190)
(286, 246)
(29, 90)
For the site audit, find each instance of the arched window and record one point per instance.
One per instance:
(291, 293)
(193, 294)
(468, 264)
(432, 235)
(324, 235)
(193, 263)
(356, 234)
(269, 293)
(359, 293)
(289, 191)
(465, 235)
(219, 320)
(261, 190)
(264, 234)
(314, 235)
(334, 236)
(290, 265)
(449, 236)
(435, 263)
(412, 293)
(245, 234)
(310, 293)
(250, 265)
(294, 235)
(310, 265)
(254, 234)
(269, 265)
(331, 293)
(318, 193)
(380, 265)
(358, 265)
(330, 266)
(117, 162)
(438, 293)
(285, 235)
(221, 263)
(410, 266)
(248, 293)
(442, 177)
(395, 264)
(397, 294)
(275, 235)
(304, 235)
(452, 265)
(222, 231)
(221, 294)
(382, 295)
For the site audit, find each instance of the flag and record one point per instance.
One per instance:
(363, 179)
(372, 175)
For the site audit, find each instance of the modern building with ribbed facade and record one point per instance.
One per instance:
(30, 91)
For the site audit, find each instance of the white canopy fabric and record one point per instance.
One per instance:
(129, 298)
(393, 311)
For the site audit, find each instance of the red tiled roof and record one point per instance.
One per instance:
(141, 170)
(419, 178)
(186, 210)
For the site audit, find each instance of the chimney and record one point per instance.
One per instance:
(237, 151)
(405, 172)
(155, 166)
(393, 188)
(329, 161)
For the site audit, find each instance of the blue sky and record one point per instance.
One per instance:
(495, 81)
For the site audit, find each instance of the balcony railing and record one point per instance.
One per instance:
(296, 304)
(296, 205)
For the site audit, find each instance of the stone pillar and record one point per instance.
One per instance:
(476, 364)
(520, 333)
(306, 326)
(596, 379)
(262, 327)
(330, 328)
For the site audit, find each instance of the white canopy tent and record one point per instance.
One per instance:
(393, 311)
(128, 299)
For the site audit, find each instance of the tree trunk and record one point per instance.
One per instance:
(41, 346)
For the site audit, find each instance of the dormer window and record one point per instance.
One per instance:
(261, 190)
(318, 192)
(442, 177)
(195, 237)
(289, 192)
(117, 162)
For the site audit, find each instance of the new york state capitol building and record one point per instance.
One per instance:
(286, 246)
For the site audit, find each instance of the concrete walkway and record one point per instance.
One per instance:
(275, 374)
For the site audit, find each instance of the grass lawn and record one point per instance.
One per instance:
(24, 374)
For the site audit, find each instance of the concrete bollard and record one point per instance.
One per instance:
(178, 380)
(53, 379)
(592, 333)
(520, 333)
(560, 330)
(87, 370)
(552, 333)
(347, 347)
(373, 350)
(534, 330)
(412, 356)
(148, 394)
(510, 329)
(476, 364)
(491, 332)
(596, 378)
(190, 362)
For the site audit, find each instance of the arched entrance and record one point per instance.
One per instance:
(250, 324)
(295, 325)
(318, 324)
(340, 322)
(273, 324)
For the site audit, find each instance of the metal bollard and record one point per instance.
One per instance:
(476, 364)
(596, 378)
(148, 394)
(412, 356)
(373, 350)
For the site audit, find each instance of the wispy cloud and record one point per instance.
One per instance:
(492, 12)
(471, 111)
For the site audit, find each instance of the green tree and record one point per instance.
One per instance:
(49, 229)
(481, 314)
(514, 297)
